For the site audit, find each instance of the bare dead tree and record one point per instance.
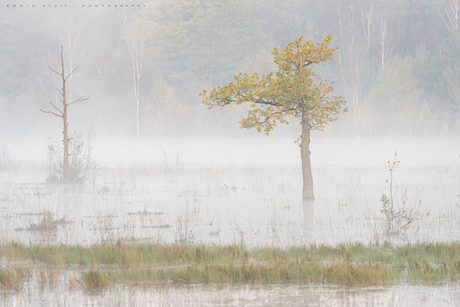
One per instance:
(63, 114)
(70, 40)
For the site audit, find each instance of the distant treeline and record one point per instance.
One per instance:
(398, 64)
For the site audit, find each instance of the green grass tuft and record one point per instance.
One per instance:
(13, 278)
(96, 278)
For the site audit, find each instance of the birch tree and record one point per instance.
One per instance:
(134, 60)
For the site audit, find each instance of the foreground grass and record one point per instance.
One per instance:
(108, 263)
(253, 273)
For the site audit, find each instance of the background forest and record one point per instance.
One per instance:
(398, 64)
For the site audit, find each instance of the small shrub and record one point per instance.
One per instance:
(398, 221)
(170, 158)
(82, 164)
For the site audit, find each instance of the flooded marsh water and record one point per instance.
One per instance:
(445, 294)
(237, 192)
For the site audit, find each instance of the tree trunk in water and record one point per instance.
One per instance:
(308, 219)
(307, 191)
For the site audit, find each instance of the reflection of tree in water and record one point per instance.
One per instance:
(308, 216)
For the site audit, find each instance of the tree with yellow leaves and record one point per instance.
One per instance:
(294, 90)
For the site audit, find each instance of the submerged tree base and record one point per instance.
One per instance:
(348, 264)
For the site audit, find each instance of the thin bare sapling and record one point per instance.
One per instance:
(5, 157)
(397, 218)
